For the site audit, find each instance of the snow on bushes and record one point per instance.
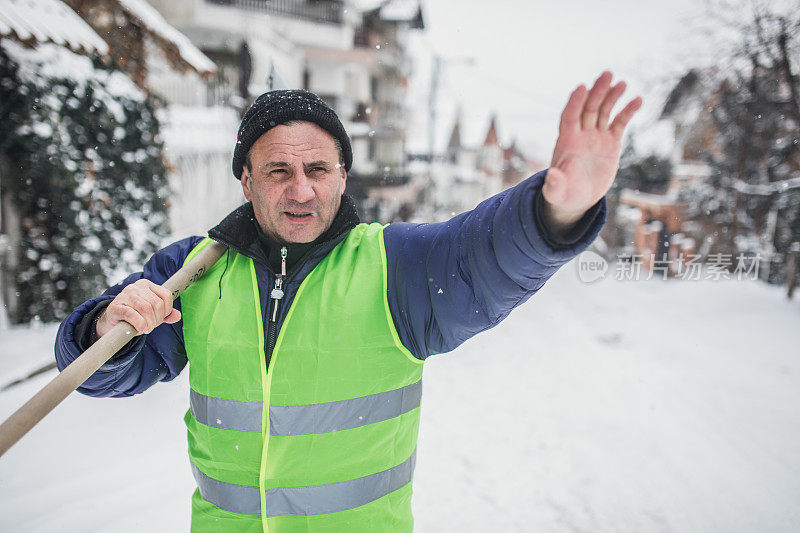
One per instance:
(85, 175)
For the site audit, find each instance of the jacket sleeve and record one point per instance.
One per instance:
(450, 280)
(147, 359)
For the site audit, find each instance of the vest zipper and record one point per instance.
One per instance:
(277, 291)
(276, 295)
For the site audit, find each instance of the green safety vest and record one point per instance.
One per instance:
(335, 449)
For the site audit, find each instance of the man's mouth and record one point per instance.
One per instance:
(298, 216)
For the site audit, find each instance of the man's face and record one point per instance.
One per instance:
(296, 184)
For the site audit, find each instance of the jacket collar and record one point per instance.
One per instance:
(239, 231)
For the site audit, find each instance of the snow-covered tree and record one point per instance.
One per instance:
(84, 174)
(648, 173)
(753, 195)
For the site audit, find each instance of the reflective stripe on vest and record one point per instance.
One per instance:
(287, 420)
(305, 501)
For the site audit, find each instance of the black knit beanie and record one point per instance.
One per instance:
(278, 107)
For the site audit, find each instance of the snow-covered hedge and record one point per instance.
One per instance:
(85, 174)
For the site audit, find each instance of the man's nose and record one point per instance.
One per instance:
(300, 189)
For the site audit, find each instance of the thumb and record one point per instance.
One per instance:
(173, 317)
(555, 186)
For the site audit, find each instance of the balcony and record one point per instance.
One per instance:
(323, 11)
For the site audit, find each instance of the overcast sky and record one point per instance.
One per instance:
(528, 57)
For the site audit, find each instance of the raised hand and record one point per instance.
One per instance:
(586, 156)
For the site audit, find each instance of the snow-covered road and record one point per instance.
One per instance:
(614, 407)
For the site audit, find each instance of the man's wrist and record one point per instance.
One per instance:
(577, 231)
(560, 222)
(95, 331)
(96, 327)
(85, 333)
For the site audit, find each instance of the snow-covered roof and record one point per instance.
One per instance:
(654, 225)
(47, 61)
(392, 10)
(691, 92)
(358, 129)
(474, 130)
(638, 198)
(48, 21)
(153, 21)
(400, 10)
(365, 5)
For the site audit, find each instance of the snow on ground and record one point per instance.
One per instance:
(25, 350)
(620, 406)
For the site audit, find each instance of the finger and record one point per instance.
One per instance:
(570, 117)
(162, 292)
(623, 117)
(173, 317)
(160, 310)
(132, 317)
(164, 298)
(596, 96)
(147, 309)
(149, 292)
(553, 189)
(608, 104)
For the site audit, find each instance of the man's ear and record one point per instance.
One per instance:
(344, 179)
(245, 179)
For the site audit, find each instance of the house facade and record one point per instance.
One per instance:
(197, 127)
(658, 232)
(352, 55)
(475, 168)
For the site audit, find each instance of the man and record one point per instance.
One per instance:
(305, 341)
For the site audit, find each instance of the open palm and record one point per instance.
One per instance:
(586, 156)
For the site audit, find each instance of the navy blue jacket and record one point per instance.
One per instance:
(447, 281)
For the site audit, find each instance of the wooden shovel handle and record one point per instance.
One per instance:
(44, 401)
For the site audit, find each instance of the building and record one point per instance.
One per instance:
(198, 128)
(656, 224)
(352, 55)
(474, 167)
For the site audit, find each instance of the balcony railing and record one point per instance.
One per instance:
(325, 11)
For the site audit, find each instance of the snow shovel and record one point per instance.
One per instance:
(44, 401)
